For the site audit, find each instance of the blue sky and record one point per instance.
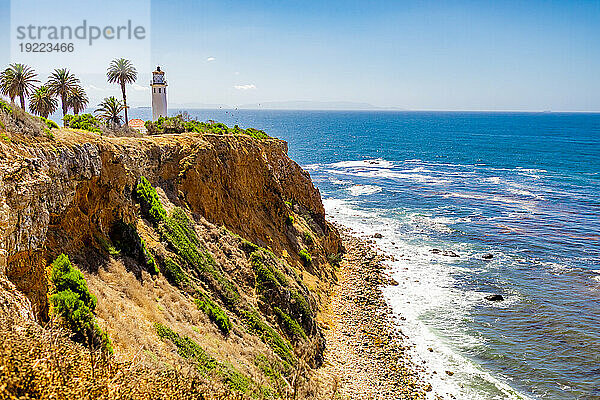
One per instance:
(450, 55)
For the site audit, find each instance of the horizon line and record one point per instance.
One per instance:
(383, 109)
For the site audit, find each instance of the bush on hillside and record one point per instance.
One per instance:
(214, 312)
(49, 123)
(73, 302)
(182, 123)
(86, 122)
(150, 201)
(177, 230)
(305, 257)
(128, 241)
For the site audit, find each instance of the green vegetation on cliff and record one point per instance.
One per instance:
(207, 365)
(182, 124)
(176, 229)
(86, 122)
(214, 312)
(74, 303)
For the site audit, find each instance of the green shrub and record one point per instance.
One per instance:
(268, 335)
(248, 247)
(235, 379)
(270, 370)
(177, 230)
(86, 122)
(4, 137)
(128, 241)
(267, 277)
(291, 326)
(214, 312)
(173, 272)
(74, 303)
(187, 348)
(107, 246)
(179, 233)
(289, 220)
(181, 123)
(334, 259)
(305, 257)
(300, 305)
(205, 364)
(149, 260)
(5, 107)
(149, 198)
(49, 123)
(308, 238)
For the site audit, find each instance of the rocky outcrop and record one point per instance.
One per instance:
(58, 195)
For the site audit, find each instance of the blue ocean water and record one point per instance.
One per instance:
(524, 187)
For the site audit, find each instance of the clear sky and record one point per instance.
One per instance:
(445, 55)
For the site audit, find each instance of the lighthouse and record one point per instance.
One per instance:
(159, 94)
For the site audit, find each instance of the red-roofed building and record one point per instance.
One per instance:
(138, 125)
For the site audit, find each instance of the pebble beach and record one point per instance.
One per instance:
(365, 351)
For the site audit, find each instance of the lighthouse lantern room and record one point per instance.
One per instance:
(159, 94)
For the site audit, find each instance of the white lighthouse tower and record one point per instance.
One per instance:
(159, 94)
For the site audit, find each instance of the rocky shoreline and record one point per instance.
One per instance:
(364, 350)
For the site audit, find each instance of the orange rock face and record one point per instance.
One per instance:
(58, 195)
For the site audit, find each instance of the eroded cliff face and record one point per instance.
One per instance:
(59, 195)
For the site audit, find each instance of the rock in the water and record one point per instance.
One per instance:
(494, 297)
(487, 256)
(378, 235)
(446, 253)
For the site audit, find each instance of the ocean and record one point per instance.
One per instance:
(523, 187)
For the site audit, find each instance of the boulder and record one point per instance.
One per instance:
(494, 297)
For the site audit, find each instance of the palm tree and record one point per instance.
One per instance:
(122, 71)
(77, 100)
(18, 80)
(42, 102)
(109, 111)
(62, 83)
(6, 78)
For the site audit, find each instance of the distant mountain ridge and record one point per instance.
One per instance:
(286, 105)
(314, 105)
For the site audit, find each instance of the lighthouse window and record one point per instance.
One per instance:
(154, 90)
(158, 90)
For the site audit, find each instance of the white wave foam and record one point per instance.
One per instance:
(372, 163)
(493, 179)
(360, 190)
(311, 167)
(339, 182)
(389, 174)
(427, 290)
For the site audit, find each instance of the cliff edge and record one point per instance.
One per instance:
(208, 255)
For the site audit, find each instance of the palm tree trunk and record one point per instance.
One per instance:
(65, 109)
(125, 102)
(22, 98)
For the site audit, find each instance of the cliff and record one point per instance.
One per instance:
(256, 251)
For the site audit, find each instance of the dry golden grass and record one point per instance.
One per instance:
(37, 363)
